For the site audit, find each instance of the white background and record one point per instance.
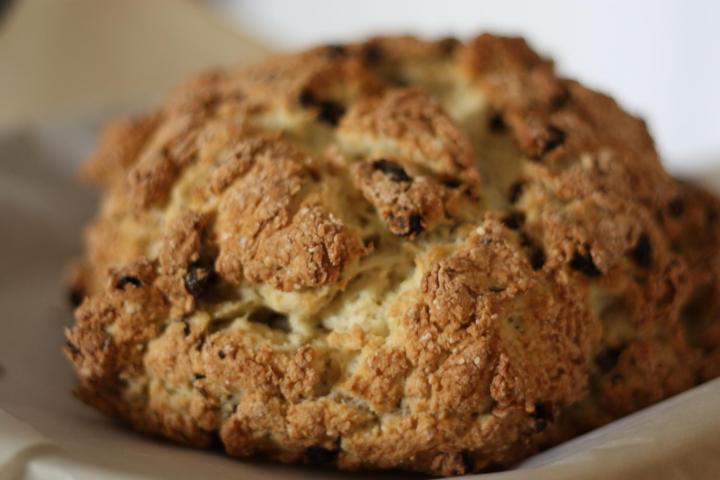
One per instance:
(661, 59)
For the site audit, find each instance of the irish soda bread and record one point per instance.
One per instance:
(400, 254)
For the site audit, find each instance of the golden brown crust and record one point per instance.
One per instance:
(119, 148)
(410, 122)
(275, 229)
(408, 202)
(429, 256)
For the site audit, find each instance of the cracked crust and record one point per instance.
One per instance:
(430, 256)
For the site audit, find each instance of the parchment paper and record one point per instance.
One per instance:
(46, 434)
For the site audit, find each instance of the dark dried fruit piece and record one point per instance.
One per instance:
(525, 240)
(676, 207)
(496, 124)
(540, 425)
(271, 318)
(396, 172)
(543, 415)
(306, 98)
(335, 51)
(75, 297)
(513, 220)
(126, 280)
(448, 45)
(537, 258)
(584, 263)
(536, 255)
(331, 112)
(198, 278)
(559, 101)
(556, 137)
(543, 410)
(642, 252)
(414, 225)
(221, 354)
(452, 183)
(372, 54)
(516, 190)
(321, 455)
(608, 358)
(186, 326)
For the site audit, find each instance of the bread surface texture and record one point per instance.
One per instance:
(428, 256)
